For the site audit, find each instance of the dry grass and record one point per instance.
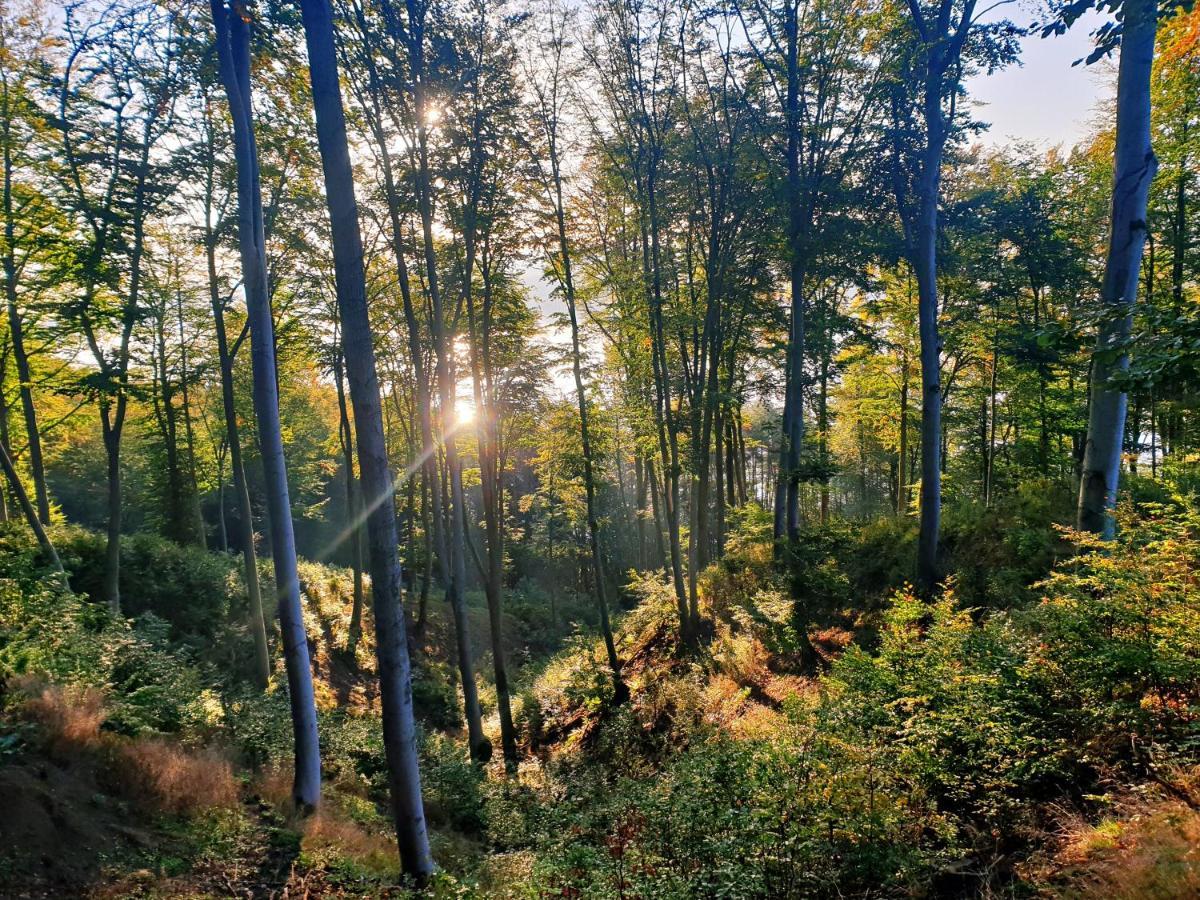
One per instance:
(327, 832)
(1148, 847)
(744, 659)
(71, 716)
(274, 785)
(165, 776)
(724, 700)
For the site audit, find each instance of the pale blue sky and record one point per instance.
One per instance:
(1046, 100)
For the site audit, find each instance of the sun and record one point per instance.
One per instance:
(464, 413)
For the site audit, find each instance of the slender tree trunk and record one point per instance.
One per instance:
(787, 491)
(664, 413)
(902, 456)
(399, 726)
(353, 517)
(257, 625)
(427, 569)
(490, 483)
(924, 263)
(16, 326)
(233, 51)
(660, 546)
(201, 537)
(456, 547)
(35, 524)
(620, 690)
(1134, 169)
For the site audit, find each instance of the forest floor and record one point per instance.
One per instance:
(131, 777)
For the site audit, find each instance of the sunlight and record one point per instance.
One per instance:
(464, 413)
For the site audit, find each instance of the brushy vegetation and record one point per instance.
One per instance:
(895, 746)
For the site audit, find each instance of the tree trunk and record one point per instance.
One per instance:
(399, 727)
(233, 51)
(902, 456)
(787, 491)
(455, 525)
(201, 538)
(16, 331)
(924, 262)
(1134, 169)
(353, 517)
(620, 690)
(35, 524)
(257, 625)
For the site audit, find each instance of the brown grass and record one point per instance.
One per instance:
(165, 776)
(327, 832)
(1147, 847)
(71, 716)
(274, 785)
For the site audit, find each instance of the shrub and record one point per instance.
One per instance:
(452, 785)
(952, 710)
(186, 586)
(70, 715)
(1120, 636)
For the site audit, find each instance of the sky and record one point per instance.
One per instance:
(1045, 101)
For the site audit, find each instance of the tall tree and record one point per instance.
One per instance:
(23, 44)
(116, 106)
(232, 25)
(927, 88)
(548, 81)
(395, 675)
(1134, 167)
(214, 213)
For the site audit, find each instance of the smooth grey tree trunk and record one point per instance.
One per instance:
(395, 675)
(353, 511)
(1134, 169)
(258, 628)
(233, 51)
(451, 483)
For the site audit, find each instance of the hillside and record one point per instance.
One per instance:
(1039, 747)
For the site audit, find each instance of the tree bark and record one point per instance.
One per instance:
(233, 52)
(1133, 171)
(16, 325)
(31, 516)
(395, 676)
(353, 511)
(257, 625)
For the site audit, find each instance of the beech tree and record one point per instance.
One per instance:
(391, 642)
(947, 39)
(1134, 167)
(116, 99)
(548, 74)
(233, 52)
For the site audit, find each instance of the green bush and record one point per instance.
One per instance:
(452, 785)
(1120, 636)
(186, 586)
(50, 633)
(928, 757)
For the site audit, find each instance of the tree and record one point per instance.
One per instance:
(549, 86)
(395, 675)
(116, 106)
(932, 66)
(214, 220)
(1133, 171)
(23, 44)
(233, 52)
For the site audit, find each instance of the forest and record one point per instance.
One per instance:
(607, 449)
